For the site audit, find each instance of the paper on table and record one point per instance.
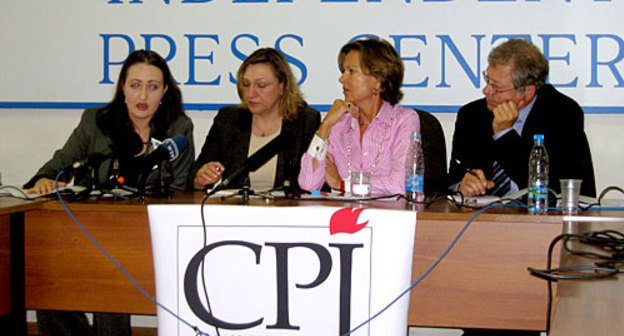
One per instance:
(478, 201)
(21, 193)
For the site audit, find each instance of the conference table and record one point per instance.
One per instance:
(482, 282)
(588, 307)
(12, 314)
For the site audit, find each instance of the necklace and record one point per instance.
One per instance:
(379, 145)
(143, 133)
(265, 132)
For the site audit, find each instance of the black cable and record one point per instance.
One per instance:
(339, 199)
(205, 243)
(575, 272)
(604, 192)
(607, 190)
(549, 281)
(607, 240)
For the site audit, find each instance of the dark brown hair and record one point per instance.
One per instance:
(379, 59)
(114, 116)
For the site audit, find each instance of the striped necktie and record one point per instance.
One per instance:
(502, 181)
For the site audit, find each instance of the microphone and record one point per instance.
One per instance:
(132, 144)
(168, 150)
(258, 159)
(90, 161)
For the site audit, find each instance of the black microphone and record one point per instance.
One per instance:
(132, 144)
(92, 160)
(258, 159)
(168, 150)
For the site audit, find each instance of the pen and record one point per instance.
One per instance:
(468, 170)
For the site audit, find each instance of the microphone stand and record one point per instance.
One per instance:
(164, 180)
(141, 186)
(162, 187)
(244, 192)
(93, 185)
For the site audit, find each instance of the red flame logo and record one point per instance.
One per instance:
(345, 221)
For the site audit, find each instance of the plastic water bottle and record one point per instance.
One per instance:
(538, 177)
(415, 170)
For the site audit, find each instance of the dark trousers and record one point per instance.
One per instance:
(64, 323)
(494, 332)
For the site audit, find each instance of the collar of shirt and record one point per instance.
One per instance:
(519, 123)
(384, 118)
(522, 116)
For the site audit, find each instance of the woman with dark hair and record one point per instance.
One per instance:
(271, 105)
(367, 131)
(148, 106)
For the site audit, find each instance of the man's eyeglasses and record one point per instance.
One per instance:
(494, 87)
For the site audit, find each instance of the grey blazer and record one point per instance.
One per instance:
(87, 138)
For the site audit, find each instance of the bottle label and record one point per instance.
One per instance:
(414, 183)
(539, 192)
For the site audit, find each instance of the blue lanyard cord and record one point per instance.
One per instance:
(195, 328)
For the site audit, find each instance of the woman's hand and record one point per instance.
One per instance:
(44, 185)
(209, 173)
(334, 114)
(331, 172)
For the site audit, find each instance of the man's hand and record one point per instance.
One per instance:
(475, 184)
(505, 115)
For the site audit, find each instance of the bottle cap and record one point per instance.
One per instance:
(538, 138)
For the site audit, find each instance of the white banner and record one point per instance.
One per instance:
(67, 53)
(281, 270)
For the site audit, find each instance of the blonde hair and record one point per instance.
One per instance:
(292, 99)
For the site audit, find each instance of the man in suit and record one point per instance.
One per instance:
(494, 135)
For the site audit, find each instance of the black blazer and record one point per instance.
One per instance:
(555, 115)
(228, 142)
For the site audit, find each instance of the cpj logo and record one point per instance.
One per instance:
(277, 280)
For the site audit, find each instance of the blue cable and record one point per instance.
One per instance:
(101, 248)
(435, 264)
(422, 277)
(607, 208)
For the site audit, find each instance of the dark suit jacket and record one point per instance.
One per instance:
(228, 142)
(555, 115)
